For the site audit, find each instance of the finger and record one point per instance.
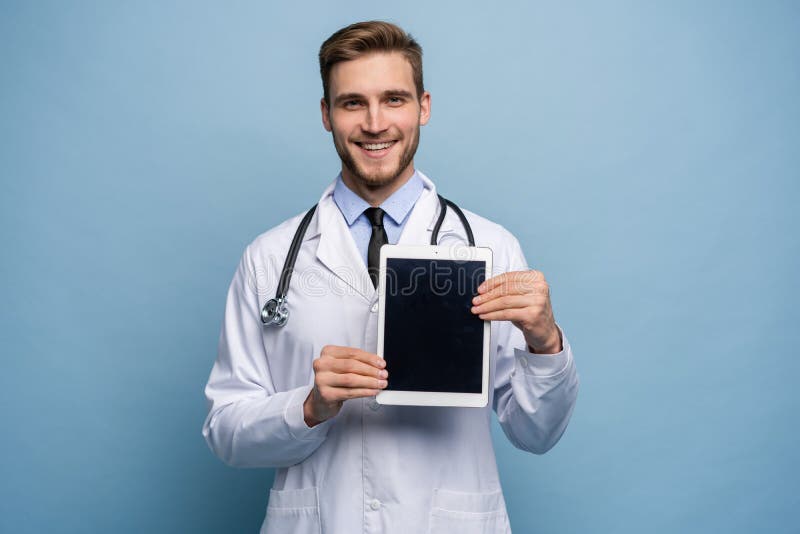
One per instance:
(493, 282)
(352, 381)
(519, 287)
(512, 314)
(513, 277)
(341, 394)
(352, 366)
(506, 302)
(370, 358)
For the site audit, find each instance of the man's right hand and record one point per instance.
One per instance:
(342, 373)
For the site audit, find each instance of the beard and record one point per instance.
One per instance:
(381, 177)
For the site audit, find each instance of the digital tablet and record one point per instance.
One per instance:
(436, 349)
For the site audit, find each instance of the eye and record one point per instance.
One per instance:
(351, 104)
(395, 100)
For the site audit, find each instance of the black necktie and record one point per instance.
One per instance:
(378, 238)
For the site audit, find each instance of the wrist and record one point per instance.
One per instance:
(308, 414)
(553, 345)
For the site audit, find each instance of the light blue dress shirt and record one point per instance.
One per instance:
(397, 207)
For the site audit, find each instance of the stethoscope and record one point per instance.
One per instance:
(276, 312)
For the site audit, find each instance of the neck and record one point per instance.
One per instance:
(375, 194)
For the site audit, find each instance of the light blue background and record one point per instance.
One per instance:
(646, 155)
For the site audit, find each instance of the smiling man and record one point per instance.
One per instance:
(301, 397)
(375, 113)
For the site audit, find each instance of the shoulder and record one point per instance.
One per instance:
(489, 230)
(506, 250)
(277, 236)
(269, 249)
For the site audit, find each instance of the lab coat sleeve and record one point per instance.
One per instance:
(249, 423)
(534, 393)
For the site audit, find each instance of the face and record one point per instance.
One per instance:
(374, 116)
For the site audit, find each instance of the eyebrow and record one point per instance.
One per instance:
(358, 96)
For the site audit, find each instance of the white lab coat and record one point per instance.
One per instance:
(372, 468)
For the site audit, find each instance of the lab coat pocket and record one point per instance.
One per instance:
(468, 513)
(295, 510)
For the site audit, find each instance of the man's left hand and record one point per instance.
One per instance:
(522, 297)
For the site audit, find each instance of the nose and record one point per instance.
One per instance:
(374, 120)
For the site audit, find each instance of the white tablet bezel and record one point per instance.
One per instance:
(428, 398)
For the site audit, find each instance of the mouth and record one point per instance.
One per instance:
(376, 150)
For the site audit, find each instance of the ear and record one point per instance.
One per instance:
(424, 108)
(326, 120)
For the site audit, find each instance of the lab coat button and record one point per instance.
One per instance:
(374, 406)
(375, 504)
(374, 308)
(523, 362)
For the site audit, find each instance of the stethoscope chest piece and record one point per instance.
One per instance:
(275, 312)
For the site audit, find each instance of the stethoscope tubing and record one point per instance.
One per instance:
(276, 312)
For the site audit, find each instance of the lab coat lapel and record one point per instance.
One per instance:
(337, 251)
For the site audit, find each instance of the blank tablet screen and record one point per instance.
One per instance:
(432, 341)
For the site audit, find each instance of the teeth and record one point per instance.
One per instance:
(377, 146)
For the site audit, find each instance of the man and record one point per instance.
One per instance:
(301, 397)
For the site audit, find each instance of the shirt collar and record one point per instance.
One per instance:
(397, 206)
